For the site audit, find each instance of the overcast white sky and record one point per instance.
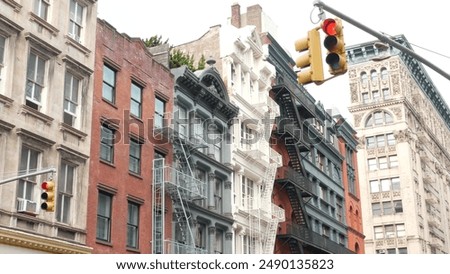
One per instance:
(424, 23)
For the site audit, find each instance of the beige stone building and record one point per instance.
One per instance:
(403, 124)
(46, 83)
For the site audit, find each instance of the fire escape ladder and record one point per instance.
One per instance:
(298, 207)
(158, 206)
(182, 214)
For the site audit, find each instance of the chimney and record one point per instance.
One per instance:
(254, 17)
(236, 15)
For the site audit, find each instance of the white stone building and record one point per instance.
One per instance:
(240, 58)
(46, 84)
(403, 124)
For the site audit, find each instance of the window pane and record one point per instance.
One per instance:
(382, 161)
(385, 184)
(374, 187)
(395, 183)
(376, 209)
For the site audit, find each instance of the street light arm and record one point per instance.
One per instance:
(47, 170)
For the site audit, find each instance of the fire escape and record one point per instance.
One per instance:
(178, 188)
(294, 110)
(263, 215)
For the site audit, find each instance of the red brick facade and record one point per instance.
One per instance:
(132, 62)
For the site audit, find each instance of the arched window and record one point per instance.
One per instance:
(384, 74)
(373, 75)
(363, 77)
(379, 118)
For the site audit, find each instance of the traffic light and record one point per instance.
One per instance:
(334, 42)
(48, 196)
(313, 58)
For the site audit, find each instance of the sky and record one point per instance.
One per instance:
(424, 24)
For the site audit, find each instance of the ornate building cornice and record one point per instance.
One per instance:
(38, 243)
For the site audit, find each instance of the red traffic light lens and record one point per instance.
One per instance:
(329, 26)
(44, 185)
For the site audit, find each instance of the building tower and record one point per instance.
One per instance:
(403, 124)
(46, 85)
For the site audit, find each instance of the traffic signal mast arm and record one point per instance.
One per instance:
(44, 171)
(383, 38)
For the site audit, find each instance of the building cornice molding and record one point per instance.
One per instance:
(35, 242)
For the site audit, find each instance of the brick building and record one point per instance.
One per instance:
(132, 94)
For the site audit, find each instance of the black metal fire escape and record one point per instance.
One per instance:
(290, 131)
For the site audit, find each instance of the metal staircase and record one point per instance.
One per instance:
(182, 188)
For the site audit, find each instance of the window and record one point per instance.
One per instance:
(218, 249)
(379, 118)
(390, 139)
(135, 157)
(133, 225)
(159, 113)
(373, 75)
(375, 95)
(66, 181)
(104, 216)
(247, 188)
(382, 163)
(339, 209)
(384, 185)
(136, 100)
(107, 144)
(35, 80)
(380, 140)
(389, 231)
(365, 97)
(28, 163)
(384, 74)
(386, 93)
(218, 195)
(393, 161)
(376, 209)
(75, 20)
(217, 139)
(364, 77)
(370, 142)
(374, 186)
(71, 88)
(109, 84)
(41, 8)
(200, 236)
(372, 164)
(183, 122)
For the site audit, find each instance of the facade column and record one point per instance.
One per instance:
(211, 239)
(211, 188)
(227, 199)
(228, 245)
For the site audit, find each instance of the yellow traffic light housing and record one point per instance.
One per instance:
(48, 196)
(313, 59)
(334, 42)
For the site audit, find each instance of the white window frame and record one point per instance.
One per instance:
(76, 24)
(34, 80)
(69, 100)
(65, 191)
(41, 6)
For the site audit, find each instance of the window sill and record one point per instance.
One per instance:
(74, 43)
(134, 250)
(135, 175)
(16, 6)
(36, 114)
(6, 101)
(101, 242)
(69, 129)
(109, 103)
(34, 17)
(107, 163)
